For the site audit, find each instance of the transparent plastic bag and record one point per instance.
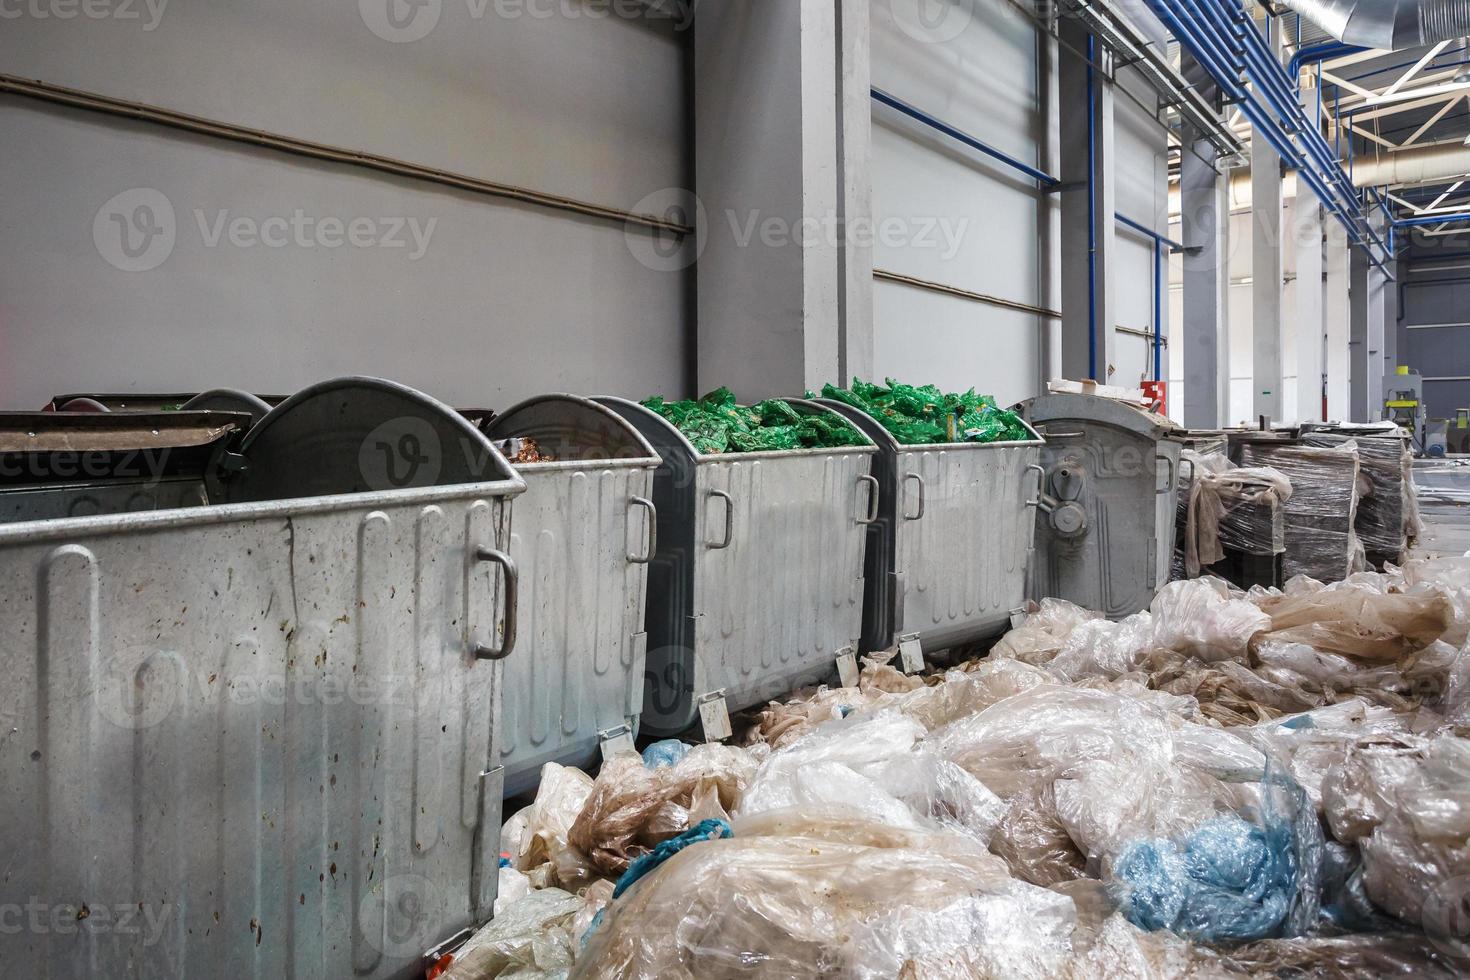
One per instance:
(875, 765)
(538, 834)
(1359, 621)
(813, 906)
(1201, 619)
(532, 939)
(1423, 841)
(1043, 633)
(632, 808)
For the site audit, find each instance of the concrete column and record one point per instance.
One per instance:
(855, 151)
(1306, 234)
(784, 300)
(1088, 205)
(1266, 277)
(1365, 342)
(1336, 312)
(1391, 326)
(1267, 280)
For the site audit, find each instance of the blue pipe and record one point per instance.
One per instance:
(1431, 219)
(1091, 212)
(1230, 45)
(1041, 177)
(1146, 231)
(1318, 53)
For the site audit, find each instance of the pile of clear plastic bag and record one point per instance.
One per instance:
(828, 893)
(1227, 784)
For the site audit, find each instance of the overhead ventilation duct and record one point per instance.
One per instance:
(1389, 24)
(1419, 165)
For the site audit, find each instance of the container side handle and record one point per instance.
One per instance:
(652, 517)
(873, 493)
(512, 603)
(729, 519)
(1173, 475)
(1042, 502)
(920, 481)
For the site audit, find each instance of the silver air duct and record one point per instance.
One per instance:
(1389, 24)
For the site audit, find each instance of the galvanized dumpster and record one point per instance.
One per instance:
(584, 535)
(256, 739)
(756, 586)
(1106, 521)
(948, 554)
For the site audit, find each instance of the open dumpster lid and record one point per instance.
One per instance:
(47, 447)
(359, 435)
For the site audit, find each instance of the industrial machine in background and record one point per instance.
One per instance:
(1403, 404)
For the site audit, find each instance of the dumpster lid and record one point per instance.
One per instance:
(51, 447)
(572, 429)
(230, 400)
(78, 432)
(1069, 407)
(91, 401)
(359, 435)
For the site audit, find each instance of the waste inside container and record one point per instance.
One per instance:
(583, 537)
(63, 464)
(947, 557)
(260, 733)
(756, 586)
(1107, 515)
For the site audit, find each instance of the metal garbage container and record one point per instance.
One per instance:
(947, 557)
(583, 537)
(756, 587)
(260, 733)
(1105, 530)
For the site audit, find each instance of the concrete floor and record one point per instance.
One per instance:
(1444, 506)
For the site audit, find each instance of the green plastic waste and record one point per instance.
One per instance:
(716, 424)
(924, 416)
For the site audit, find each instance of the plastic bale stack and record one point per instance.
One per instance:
(1320, 534)
(1231, 521)
(1386, 519)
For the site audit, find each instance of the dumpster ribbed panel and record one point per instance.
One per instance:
(258, 740)
(774, 607)
(582, 616)
(963, 564)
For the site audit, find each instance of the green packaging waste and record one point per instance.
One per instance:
(716, 424)
(924, 415)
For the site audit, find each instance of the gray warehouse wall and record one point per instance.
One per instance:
(977, 70)
(1436, 330)
(268, 271)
